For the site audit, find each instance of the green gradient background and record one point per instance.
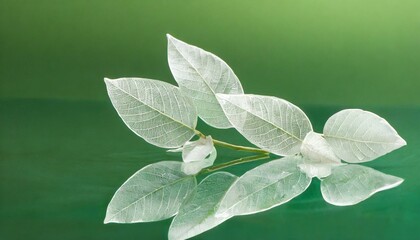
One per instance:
(64, 151)
(318, 52)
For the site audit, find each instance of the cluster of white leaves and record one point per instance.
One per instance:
(198, 213)
(166, 116)
(355, 136)
(201, 75)
(222, 195)
(264, 187)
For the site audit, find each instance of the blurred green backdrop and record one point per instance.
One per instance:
(317, 52)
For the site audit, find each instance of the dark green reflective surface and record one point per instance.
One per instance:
(62, 161)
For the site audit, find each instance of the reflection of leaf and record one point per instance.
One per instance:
(265, 187)
(351, 184)
(154, 110)
(201, 75)
(153, 193)
(197, 212)
(271, 123)
(319, 157)
(360, 136)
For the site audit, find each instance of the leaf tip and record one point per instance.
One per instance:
(401, 142)
(107, 81)
(107, 219)
(398, 181)
(170, 38)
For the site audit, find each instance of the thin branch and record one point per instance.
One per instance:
(235, 162)
(232, 146)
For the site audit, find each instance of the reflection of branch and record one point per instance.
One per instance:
(232, 146)
(235, 162)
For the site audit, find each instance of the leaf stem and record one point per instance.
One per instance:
(232, 146)
(234, 162)
(239, 148)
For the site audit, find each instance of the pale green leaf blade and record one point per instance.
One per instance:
(201, 74)
(265, 187)
(197, 213)
(360, 136)
(270, 123)
(351, 184)
(154, 110)
(153, 193)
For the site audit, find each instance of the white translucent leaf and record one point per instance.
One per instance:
(319, 157)
(351, 184)
(360, 136)
(316, 148)
(197, 150)
(197, 212)
(265, 187)
(154, 110)
(153, 193)
(316, 170)
(193, 167)
(271, 123)
(201, 75)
